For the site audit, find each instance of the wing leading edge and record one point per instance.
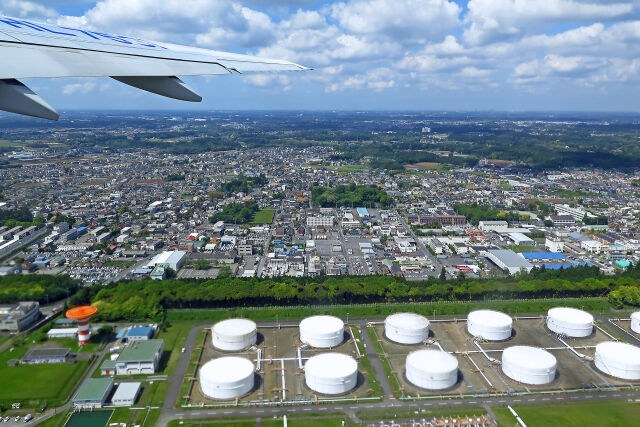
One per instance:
(35, 50)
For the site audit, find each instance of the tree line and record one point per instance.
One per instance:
(41, 288)
(148, 299)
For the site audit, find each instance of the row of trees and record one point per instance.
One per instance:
(148, 299)
(239, 213)
(42, 288)
(476, 213)
(350, 195)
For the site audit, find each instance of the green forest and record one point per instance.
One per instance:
(40, 288)
(238, 213)
(350, 195)
(476, 213)
(244, 184)
(149, 299)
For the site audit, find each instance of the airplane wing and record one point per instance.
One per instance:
(33, 50)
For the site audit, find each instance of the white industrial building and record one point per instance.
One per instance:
(331, 373)
(234, 334)
(489, 325)
(322, 331)
(227, 377)
(554, 245)
(174, 259)
(432, 369)
(577, 213)
(323, 220)
(140, 357)
(570, 322)
(406, 328)
(62, 333)
(507, 259)
(592, 246)
(635, 322)
(521, 239)
(126, 394)
(618, 359)
(493, 225)
(529, 365)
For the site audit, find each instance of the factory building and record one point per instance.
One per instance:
(174, 259)
(46, 355)
(93, 393)
(126, 394)
(322, 220)
(507, 259)
(20, 316)
(140, 357)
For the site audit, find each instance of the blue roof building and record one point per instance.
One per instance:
(543, 255)
(139, 333)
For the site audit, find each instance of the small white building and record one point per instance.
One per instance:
(126, 394)
(493, 225)
(592, 246)
(554, 245)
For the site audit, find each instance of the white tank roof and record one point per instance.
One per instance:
(571, 315)
(490, 319)
(618, 359)
(570, 321)
(227, 369)
(529, 357)
(331, 365)
(407, 321)
(321, 324)
(635, 322)
(235, 327)
(434, 361)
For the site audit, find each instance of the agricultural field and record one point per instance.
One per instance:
(264, 216)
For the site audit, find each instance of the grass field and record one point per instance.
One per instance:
(520, 248)
(610, 414)
(519, 307)
(174, 338)
(32, 384)
(265, 216)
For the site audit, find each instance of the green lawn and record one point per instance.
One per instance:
(520, 248)
(32, 384)
(174, 338)
(265, 216)
(610, 414)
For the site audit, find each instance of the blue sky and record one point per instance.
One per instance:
(375, 54)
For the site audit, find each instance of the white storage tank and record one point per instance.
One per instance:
(331, 373)
(406, 328)
(234, 334)
(227, 377)
(322, 331)
(635, 322)
(529, 365)
(490, 325)
(570, 322)
(432, 369)
(618, 359)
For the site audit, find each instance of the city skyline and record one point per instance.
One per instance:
(416, 55)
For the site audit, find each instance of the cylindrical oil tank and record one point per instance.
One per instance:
(490, 325)
(529, 365)
(635, 322)
(406, 328)
(570, 322)
(322, 331)
(234, 334)
(618, 359)
(227, 377)
(331, 373)
(432, 369)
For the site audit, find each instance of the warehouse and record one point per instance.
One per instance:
(126, 394)
(93, 393)
(139, 333)
(140, 357)
(508, 260)
(174, 259)
(46, 355)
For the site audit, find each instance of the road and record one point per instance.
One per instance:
(422, 247)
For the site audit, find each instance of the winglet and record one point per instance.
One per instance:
(17, 98)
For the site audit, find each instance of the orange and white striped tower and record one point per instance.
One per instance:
(82, 314)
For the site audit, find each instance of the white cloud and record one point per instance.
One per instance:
(408, 20)
(491, 20)
(26, 9)
(78, 88)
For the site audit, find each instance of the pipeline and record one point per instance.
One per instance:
(489, 358)
(517, 416)
(580, 355)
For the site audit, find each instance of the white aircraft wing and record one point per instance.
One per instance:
(33, 50)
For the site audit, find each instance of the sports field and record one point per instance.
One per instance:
(265, 216)
(89, 419)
